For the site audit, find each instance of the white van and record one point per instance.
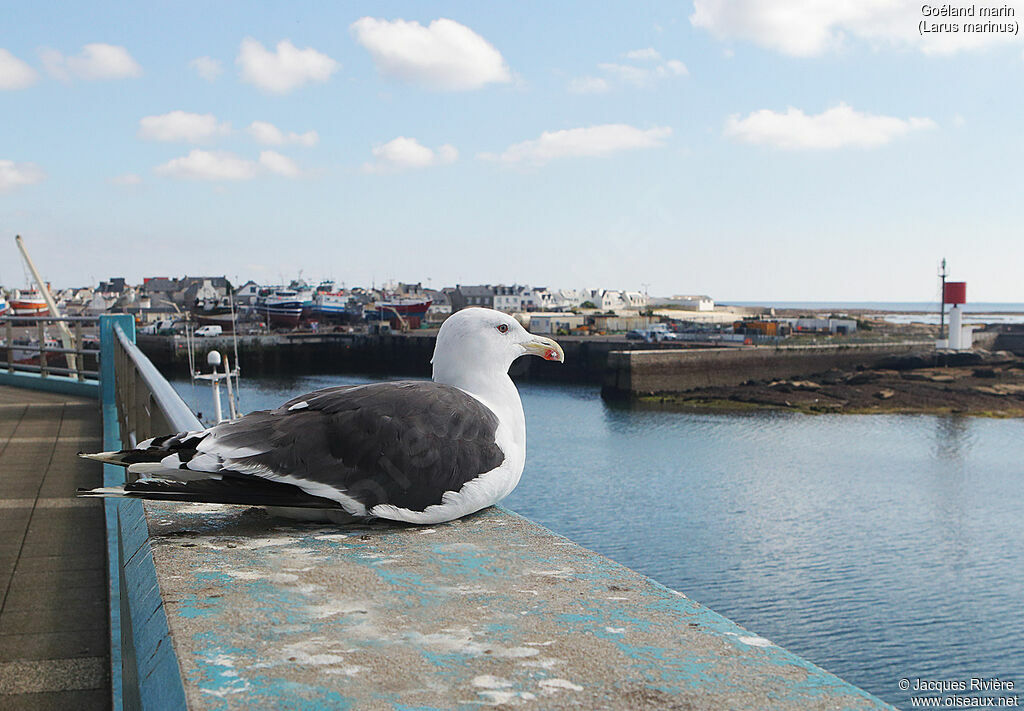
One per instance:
(209, 331)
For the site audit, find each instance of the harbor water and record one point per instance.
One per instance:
(879, 547)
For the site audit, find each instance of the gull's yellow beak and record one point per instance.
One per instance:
(545, 348)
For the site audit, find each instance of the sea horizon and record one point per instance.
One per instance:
(893, 306)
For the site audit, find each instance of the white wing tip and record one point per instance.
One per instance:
(103, 491)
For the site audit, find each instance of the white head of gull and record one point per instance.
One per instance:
(416, 451)
(475, 349)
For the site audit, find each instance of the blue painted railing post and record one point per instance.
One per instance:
(112, 476)
(144, 668)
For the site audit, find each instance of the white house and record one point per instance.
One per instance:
(508, 298)
(635, 300)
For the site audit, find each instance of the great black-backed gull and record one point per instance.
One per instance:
(416, 451)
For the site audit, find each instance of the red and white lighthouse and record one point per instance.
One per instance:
(961, 337)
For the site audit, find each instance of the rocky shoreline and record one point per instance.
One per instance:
(976, 384)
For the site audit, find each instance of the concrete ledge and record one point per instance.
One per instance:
(52, 384)
(491, 609)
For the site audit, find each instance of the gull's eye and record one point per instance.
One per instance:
(503, 328)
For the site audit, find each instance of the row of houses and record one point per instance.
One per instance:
(158, 294)
(175, 295)
(518, 298)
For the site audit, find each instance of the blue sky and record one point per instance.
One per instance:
(748, 149)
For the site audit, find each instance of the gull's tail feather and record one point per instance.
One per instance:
(152, 450)
(247, 492)
(124, 458)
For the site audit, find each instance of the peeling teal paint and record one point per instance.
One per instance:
(473, 613)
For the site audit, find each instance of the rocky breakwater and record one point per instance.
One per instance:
(972, 383)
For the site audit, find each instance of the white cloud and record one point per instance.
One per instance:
(221, 165)
(641, 76)
(182, 126)
(96, 61)
(285, 69)
(127, 180)
(838, 127)
(445, 55)
(209, 165)
(650, 54)
(589, 85)
(207, 67)
(805, 28)
(14, 175)
(404, 153)
(270, 135)
(14, 73)
(279, 164)
(672, 67)
(594, 141)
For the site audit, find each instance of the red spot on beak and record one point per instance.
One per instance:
(551, 355)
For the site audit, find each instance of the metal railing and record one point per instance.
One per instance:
(147, 405)
(22, 354)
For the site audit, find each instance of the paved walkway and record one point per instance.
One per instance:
(54, 647)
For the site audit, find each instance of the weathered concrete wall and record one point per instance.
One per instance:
(985, 339)
(488, 610)
(1013, 342)
(632, 373)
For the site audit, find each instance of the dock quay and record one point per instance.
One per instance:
(222, 607)
(298, 352)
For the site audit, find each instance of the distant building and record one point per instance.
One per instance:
(613, 324)
(635, 300)
(515, 298)
(185, 291)
(116, 285)
(555, 323)
(761, 327)
(834, 326)
(440, 306)
(613, 300)
(690, 303)
(247, 293)
(160, 288)
(465, 296)
(98, 304)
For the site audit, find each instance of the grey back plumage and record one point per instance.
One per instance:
(403, 443)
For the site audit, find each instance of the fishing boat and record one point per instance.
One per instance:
(330, 306)
(406, 307)
(402, 312)
(29, 302)
(283, 307)
(215, 312)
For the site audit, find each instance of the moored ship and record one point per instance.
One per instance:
(405, 307)
(283, 307)
(330, 306)
(29, 302)
(402, 312)
(216, 313)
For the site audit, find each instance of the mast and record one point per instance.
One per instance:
(942, 300)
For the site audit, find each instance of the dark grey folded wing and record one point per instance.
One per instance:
(403, 443)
